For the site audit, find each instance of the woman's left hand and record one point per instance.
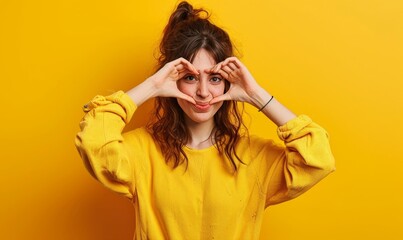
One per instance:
(242, 83)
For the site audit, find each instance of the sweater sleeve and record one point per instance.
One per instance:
(101, 145)
(306, 159)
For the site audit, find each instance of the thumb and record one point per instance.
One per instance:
(186, 97)
(220, 98)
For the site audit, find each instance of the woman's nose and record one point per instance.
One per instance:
(202, 89)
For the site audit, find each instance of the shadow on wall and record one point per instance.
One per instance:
(102, 215)
(94, 212)
(88, 210)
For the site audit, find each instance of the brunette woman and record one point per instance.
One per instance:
(193, 172)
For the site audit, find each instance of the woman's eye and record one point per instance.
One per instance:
(189, 78)
(216, 79)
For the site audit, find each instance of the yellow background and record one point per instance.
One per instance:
(341, 62)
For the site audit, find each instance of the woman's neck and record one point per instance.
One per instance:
(200, 134)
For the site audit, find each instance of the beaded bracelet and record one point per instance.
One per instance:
(266, 104)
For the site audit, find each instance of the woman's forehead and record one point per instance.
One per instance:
(203, 60)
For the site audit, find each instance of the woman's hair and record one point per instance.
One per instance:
(188, 31)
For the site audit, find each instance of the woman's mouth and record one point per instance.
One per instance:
(202, 106)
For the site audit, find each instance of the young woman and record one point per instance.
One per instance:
(192, 173)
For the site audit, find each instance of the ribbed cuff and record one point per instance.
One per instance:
(118, 97)
(125, 101)
(293, 126)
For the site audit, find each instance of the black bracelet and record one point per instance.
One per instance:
(266, 104)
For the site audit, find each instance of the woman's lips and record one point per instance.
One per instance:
(202, 106)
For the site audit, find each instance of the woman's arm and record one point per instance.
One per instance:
(100, 141)
(245, 88)
(306, 158)
(101, 145)
(277, 112)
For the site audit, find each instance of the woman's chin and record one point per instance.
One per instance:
(200, 117)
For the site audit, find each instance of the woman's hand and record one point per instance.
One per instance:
(163, 83)
(165, 79)
(244, 88)
(243, 85)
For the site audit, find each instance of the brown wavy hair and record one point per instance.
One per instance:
(189, 30)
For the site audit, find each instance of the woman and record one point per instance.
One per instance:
(192, 173)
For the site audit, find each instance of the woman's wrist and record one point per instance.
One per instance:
(143, 92)
(259, 97)
(270, 106)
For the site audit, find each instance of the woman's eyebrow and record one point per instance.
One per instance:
(215, 74)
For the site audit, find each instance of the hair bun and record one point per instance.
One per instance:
(184, 11)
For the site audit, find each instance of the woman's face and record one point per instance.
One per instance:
(202, 88)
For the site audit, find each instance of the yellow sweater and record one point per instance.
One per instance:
(207, 200)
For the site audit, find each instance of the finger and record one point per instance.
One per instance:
(212, 70)
(224, 74)
(220, 98)
(233, 60)
(232, 66)
(186, 64)
(227, 69)
(216, 68)
(179, 61)
(183, 69)
(186, 97)
(182, 63)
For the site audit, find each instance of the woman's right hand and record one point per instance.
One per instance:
(165, 79)
(163, 82)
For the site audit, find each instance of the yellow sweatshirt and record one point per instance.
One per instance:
(208, 200)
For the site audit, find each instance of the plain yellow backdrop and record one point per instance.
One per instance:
(340, 62)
